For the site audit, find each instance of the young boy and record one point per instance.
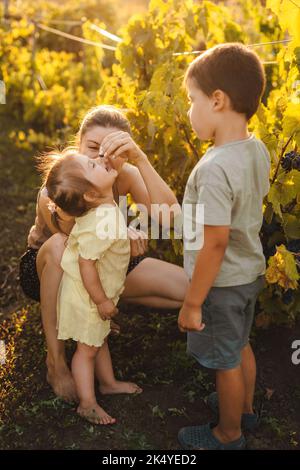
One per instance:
(225, 85)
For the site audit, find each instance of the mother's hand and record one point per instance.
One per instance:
(138, 241)
(121, 144)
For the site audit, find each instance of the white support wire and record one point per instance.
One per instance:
(117, 39)
(41, 82)
(105, 33)
(282, 41)
(249, 45)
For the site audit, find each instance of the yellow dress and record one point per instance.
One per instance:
(101, 235)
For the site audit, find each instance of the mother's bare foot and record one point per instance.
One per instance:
(120, 387)
(62, 383)
(95, 414)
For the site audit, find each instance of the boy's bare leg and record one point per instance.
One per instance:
(231, 396)
(50, 273)
(105, 375)
(249, 373)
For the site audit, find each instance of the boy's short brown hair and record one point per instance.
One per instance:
(234, 69)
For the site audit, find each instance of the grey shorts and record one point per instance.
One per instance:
(228, 315)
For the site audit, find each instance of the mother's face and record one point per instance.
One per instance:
(90, 145)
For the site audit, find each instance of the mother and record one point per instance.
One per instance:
(149, 281)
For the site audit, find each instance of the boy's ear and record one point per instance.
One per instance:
(219, 100)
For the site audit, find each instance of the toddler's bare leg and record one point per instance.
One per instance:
(105, 375)
(83, 367)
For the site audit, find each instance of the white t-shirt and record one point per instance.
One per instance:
(231, 181)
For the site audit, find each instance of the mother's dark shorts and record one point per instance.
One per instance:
(228, 316)
(29, 279)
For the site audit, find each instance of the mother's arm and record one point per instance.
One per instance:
(147, 187)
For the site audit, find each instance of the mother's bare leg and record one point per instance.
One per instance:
(156, 283)
(50, 273)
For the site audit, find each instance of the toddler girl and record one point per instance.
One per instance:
(95, 262)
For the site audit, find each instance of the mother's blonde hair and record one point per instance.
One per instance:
(103, 116)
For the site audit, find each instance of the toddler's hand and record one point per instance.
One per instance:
(107, 309)
(190, 319)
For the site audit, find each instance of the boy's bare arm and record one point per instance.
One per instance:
(92, 283)
(206, 269)
(207, 265)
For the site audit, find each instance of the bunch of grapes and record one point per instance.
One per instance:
(290, 161)
(288, 297)
(267, 230)
(270, 228)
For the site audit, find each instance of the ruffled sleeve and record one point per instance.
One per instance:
(96, 236)
(90, 246)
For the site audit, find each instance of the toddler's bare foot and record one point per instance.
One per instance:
(95, 414)
(62, 382)
(120, 387)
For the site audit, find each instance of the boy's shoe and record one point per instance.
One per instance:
(202, 438)
(250, 421)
